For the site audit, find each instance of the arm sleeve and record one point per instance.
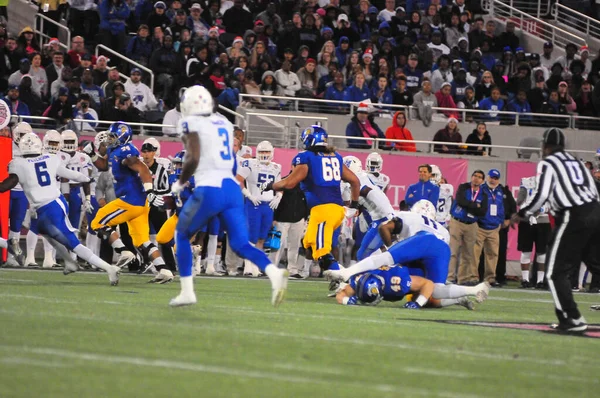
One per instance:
(72, 175)
(544, 181)
(100, 187)
(522, 196)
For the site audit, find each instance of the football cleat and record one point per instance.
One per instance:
(333, 275)
(279, 286)
(525, 284)
(296, 276)
(571, 326)
(465, 302)
(183, 299)
(113, 275)
(483, 290)
(70, 267)
(14, 249)
(163, 276)
(125, 258)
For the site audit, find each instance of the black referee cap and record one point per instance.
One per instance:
(554, 136)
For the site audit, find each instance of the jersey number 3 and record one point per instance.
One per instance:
(226, 152)
(43, 177)
(331, 169)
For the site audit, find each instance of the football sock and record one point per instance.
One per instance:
(525, 275)
(92, 242)
(184, 255)
(368, 264)
(187, 285)
(31, 241)
(582, 269)
(441, 291)
(272, 271)
(211, 251)
(3, 243)
(13, 235)
(158, 263)
(90, 257)
(118, 246)
(540, 276)
(47, 246)
(448, 302)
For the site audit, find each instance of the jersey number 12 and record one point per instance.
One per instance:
(43, 177)
(331, 169)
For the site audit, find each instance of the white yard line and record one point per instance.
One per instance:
(32, 362)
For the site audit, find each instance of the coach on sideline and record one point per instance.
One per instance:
(567, 185)
(423, 189)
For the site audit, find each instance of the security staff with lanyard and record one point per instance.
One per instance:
(567, 185)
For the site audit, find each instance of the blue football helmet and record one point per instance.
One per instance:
(314, 136)
(119, 134)
(369, 289)
(177, 162)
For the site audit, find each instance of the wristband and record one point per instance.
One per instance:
(421, 300)
(148, 186)
(88, 197)
(65, 188)
(354, 204)
(349, 300)
(94, 157)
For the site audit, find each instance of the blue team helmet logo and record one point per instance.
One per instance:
(119, 134)
(314, 136)
(369, 289)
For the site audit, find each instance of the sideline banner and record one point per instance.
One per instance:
(514, 172)
(5, 158)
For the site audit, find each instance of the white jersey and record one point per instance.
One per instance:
(379, 179)
(412, 223)
(37, 176)
(217, 159)
(255, 173)
(444, 204)
(64, 160)
(376, 203)
(16, 153)
(81, 163)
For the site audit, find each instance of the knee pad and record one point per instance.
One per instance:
(326, 261)
(525, 257)
(540, 258)
(105, 232)
(147, 249)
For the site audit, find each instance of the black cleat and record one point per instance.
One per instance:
(570, 326)
(525, 285)
(540, 286)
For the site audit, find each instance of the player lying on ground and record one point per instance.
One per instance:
(37, 174)
(394, 283)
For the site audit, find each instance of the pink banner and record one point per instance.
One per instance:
(514, 172)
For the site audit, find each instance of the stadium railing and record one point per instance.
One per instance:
(576, 20)
(40, 20)
(128, 60)
(538, 8)
(293, 104)
(532, 25)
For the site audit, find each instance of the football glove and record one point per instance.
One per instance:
(255, 201)
(266, 186)
(274, 203)
(176, 188)
(89, 149)
(87, 205)
(412, 305)
(155, 200)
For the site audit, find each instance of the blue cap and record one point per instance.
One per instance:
(63, 91)
(16, 87)
(238, 71)
(373, 10)
(326, 29)
(136, 70)
(598, 152)
(519, 49)
(548, 44)
(507, 49)
(495, 173)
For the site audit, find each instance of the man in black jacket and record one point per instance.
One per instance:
(510, 208)
(290, 216)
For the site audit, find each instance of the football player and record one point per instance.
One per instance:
(259, 205)
(92, 240)
(444, 203)
(374, 165)
(37, 174)
(208, 140)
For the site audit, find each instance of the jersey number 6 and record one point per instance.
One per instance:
(331, 169)
(41, 170)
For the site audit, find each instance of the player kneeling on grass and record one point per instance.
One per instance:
(395, 283)
(37, 174)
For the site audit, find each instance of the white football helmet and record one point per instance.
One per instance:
(374, 163)
(196, 101)
(30, 144)
(154, 142)
(20, 130)
(436, 175)
(52, 142)
(264, 152)
(353, 163)
(100, 138)
(424, 208)
(70, 141)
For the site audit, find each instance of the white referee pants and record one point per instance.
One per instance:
(291, 236)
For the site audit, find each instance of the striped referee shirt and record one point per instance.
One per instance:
(160, 178)
(562, 181)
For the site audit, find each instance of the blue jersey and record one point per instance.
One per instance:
(322, 184)
(185, 194)
(397, 282)
(128, 185)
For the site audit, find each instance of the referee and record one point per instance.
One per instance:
(569, 189)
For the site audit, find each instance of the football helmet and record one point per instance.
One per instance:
(436, 175)
(30, 144)
(52, 142)
(264, 152)
(177, 162)
(353, 163)
(369, 288)
(374, 162)
(314, 136)
(100, 138)
(424, 208)
(119, 134)
(196, 101)
(70, 141)
(20, 130)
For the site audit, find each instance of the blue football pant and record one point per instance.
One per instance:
(426, 248)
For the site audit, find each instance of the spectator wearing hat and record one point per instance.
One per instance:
(459, 85)
(61, 109)
(363, 125)
(424, 102)
(270, 17)
(100, 71)
(302, 55)
(398, 23)
(343, 29)
(158, 17)
(237, 49)
(287, 80)
(309, 79)
(488, 233)
(197, 25)
(414, 75)
(584, 56)
(54, 70)
(237, 19)
(26, 43)
(95, 93)
(141, 95)
(519, 104)
(445, 100)
(110, 108)
(15, 78)
(84, 63)
(553, 106)
(449, 134)
(178, 25)
(30, 97)
(140, 46)
(398, 131)
(547, 60)
(492, 105)
(126, 110)
(342, 51)
(16, 106)
(62, 81)
(113, 17)
(479, 136)
(367, 65)
(565, 98)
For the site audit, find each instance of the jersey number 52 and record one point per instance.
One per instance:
(331, 169)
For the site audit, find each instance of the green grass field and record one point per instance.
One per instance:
(75, 336)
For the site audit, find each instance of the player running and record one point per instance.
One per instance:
(394, 283)
(208, 140)
(37, 174)
(444, 203)
(320, 170)
(134, 190)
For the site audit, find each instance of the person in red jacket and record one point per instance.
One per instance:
(398, 131)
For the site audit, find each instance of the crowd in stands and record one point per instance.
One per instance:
(424, 53)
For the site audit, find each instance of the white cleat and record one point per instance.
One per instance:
(213, 272)
(483, 290)
(48, 263)
(164, 276)
(113, 275)
(279, 286)
(125, 258)
(465, 302)
(30, 261)
(70, 267)
(14, 249)
(333, 276)
(183, 299)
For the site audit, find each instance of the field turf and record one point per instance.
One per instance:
(75, 336)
